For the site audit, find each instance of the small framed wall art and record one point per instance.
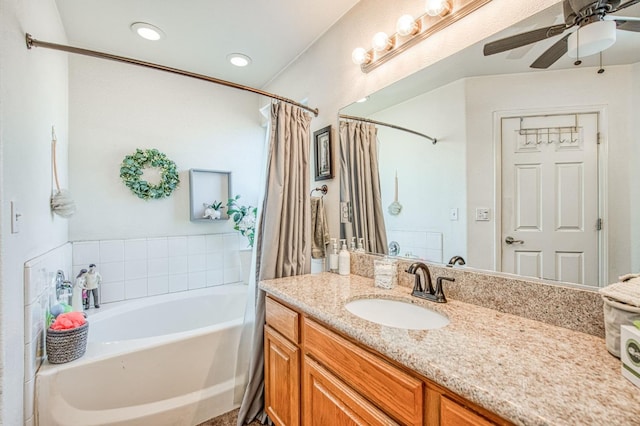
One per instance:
(323, 153)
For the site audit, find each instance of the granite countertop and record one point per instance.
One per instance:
(526, 371)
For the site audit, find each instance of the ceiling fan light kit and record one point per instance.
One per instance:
(591, 39)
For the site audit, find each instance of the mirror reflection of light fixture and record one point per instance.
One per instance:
(591, 39)
(438, 7)
(439, 15)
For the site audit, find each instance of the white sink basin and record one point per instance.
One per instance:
(397, 314)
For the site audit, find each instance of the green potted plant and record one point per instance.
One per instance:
(213, 210)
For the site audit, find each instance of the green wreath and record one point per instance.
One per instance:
(131, 172)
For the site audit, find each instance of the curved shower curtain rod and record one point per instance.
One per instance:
(32, 42)
(393, 126)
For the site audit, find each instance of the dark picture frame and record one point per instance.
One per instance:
(323, 153)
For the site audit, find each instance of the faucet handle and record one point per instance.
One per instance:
(439, 292)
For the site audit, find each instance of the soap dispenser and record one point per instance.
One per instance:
(344, 259)
(352, 245)
(360, 248)
(333, 257)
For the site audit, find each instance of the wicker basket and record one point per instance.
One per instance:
(66, 345)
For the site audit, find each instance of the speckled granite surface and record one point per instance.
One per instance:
(526, 371)
(569, 307)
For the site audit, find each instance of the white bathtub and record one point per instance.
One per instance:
(167, 360)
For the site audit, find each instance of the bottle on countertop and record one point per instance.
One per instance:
(352, 245)
(360, 248)
(333, 257)
(344, 259)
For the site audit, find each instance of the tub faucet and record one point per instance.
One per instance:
(59, 282)
(426, 290)
(456, 259)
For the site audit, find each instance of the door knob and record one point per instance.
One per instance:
(510, 240)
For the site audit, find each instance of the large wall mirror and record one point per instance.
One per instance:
(535, 172)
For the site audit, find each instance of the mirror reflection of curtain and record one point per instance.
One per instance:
(360, 185)
(283, 243)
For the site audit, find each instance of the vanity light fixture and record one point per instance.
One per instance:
(147, 31)
(239, 60)
(439, 15)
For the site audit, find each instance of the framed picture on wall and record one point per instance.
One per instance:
(322, 144)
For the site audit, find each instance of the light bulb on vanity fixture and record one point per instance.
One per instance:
(360, 56)
(381, 42)
(406, 25)
(438, 7)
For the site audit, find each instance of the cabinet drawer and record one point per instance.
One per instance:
(327, 400)
(454, 414)
(283, 319)
(397, 393)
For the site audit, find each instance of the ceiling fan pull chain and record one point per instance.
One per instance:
(601, 70)
(578, 61)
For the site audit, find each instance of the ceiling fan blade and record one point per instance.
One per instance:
(625, 5)
(552, 54)
(620, 18)
(629, 26)
(523, 39)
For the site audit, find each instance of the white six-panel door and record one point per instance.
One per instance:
(550, 197)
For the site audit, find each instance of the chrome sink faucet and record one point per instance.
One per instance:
(426, 290)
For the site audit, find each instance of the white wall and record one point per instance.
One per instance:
(115, 108)
(551, 89)
(634, 171)
(326, 76)
(431, 178)
(33, 97)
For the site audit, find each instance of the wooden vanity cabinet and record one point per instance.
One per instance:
(315, 376)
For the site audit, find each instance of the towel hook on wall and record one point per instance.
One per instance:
(324, 189)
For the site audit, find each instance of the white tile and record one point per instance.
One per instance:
(215, 277)
(177, 246)
(215, 260)
(29, 399)
(214, 242)
(111, 251)
(178, 282)
(197, 263)
(157, 285)
(231, 275)
(33, 319)
(196, 244)
(434, 240)
(157, 267)
(86, 252)
(157, 248)
(135, 249)
(134, 289)
(232, 241)
(433, 255)
(30, 359)
(231, 259)
(135, 269)
(112, 272)
(197, 280)
(112, 292)
(178, 265)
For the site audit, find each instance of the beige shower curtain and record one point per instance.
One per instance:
(360, 185)
(283, 245)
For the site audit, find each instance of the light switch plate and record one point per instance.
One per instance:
(483, 214)
(15, 218)
(453, 214)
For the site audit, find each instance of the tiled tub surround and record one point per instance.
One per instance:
(39, 273)
(528, 372)
(135, 268)
(564, 306)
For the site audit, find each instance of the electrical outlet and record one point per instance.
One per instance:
(483, 214)
(453, 214)
(345, 212)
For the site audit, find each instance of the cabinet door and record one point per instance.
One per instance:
(454, 414)
(330, 402)
(282, 379)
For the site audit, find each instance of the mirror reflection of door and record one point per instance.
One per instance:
(550, 219)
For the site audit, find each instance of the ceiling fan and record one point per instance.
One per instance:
(596, 31)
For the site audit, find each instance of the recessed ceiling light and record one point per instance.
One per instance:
(361, 100)
(147, 31)
(239, 60)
